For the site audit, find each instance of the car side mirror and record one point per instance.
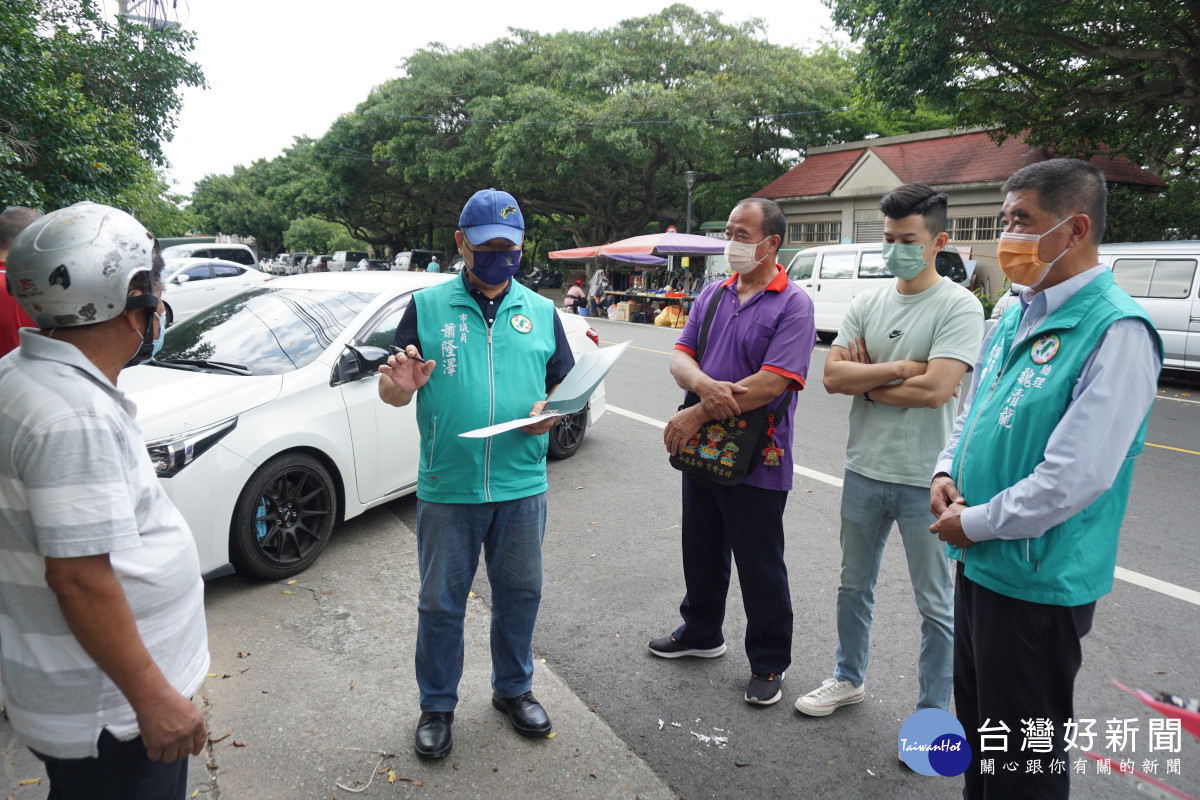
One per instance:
(178, 279)
(357, 363)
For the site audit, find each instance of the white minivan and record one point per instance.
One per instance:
(345, 260)
(835, 274)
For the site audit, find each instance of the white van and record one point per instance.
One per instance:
(1164, 279)
(346, 260)
(229, 251)
(835, 274)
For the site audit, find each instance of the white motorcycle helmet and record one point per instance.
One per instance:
(73, 266)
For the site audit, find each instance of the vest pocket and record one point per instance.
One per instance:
(433, 441)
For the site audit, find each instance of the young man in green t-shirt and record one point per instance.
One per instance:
(900, 353)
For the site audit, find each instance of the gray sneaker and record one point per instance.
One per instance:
(764, 690)
(831, 695)
(667, 647)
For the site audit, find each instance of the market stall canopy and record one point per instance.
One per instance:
(659, 244)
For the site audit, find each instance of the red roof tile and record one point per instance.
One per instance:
(945, 161)
(814, 175)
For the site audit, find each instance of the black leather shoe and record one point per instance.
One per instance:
(527, 716)
(433, 738)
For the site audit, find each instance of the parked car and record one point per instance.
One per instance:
(263, 420)
(237, 253)
(190, 284)
(456, 265)
(835, 274)
(1164, 280)
(377, 264)
(320, 264)
(412, 259)
(346, 259)
(298, 261)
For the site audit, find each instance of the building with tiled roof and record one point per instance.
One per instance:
(833, 195)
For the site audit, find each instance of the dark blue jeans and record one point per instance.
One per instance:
(120, 772)
(449, 537)
(743, 523)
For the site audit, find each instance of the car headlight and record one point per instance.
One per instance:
(174, 453)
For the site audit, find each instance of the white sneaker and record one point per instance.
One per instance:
(831, 695)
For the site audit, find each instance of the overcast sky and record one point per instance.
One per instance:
(280, 70)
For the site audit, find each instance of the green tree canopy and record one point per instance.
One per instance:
(314, 235)
(84, 103)
(1122, 74)
(243, 204)
(590, 130)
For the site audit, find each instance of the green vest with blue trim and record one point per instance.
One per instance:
(1021, 395)
(481, 378)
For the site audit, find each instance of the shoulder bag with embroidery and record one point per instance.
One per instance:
(724, 450)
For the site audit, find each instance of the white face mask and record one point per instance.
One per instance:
(740, 255)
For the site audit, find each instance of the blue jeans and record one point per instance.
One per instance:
(869, 507)
(449, 536)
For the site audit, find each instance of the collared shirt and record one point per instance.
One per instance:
(1115, 389)
(12, 317)
(75, 481)
(556, 368)
(775, 331)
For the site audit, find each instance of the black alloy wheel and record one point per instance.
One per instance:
(567, 434)
(284, 518)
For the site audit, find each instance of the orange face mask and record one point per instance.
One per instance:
(1018, 256)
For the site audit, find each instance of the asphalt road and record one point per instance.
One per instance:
(614, 581)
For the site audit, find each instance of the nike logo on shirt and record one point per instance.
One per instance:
(894, 334)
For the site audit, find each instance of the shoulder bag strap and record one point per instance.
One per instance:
(708, 318)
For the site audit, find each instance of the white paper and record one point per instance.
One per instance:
(571, 395)
(512, 424)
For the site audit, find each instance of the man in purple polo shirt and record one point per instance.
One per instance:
(758, 350)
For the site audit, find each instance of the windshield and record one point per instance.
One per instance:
(269, 331)
(178, 251)
(173, 266)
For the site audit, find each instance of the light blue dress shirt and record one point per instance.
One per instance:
(1115, 389)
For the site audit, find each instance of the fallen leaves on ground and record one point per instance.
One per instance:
(228, 733)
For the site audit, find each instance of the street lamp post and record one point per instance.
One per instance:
(689, 178)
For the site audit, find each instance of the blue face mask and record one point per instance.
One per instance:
(162, 328)
(495, 267)
(150, 348)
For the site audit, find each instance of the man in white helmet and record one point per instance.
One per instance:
(102, 628)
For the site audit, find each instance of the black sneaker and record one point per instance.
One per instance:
(764, 690)
(667, 647)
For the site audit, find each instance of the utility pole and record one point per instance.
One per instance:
(151, 13)
(689, 178)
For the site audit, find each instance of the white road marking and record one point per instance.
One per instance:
(636, 416)
(1129, 576)
(1155, 585)
(1178, 400)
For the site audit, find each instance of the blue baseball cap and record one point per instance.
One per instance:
(492, 214)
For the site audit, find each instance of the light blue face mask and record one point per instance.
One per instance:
(905, 261)
(162, 329)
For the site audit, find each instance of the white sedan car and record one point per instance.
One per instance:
(264, 423)
(190, 284)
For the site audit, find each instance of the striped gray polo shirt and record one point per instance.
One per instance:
(75, 480)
